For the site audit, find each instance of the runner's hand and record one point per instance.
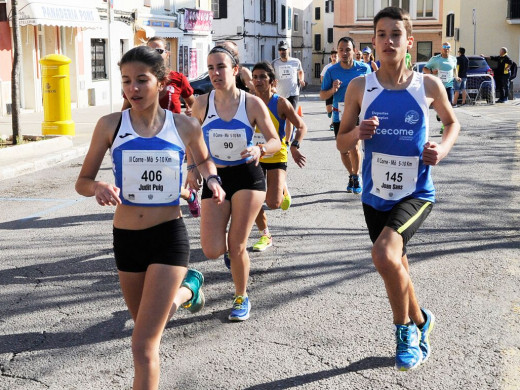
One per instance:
(107, 194)
(193, 179)
(299, 158)
(433, 153)
(367, 127)
(252, 151)
(219, 195)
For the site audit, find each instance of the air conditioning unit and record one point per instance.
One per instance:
(240, 30)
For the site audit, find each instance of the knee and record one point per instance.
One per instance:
(383, 260)
(213, 252)
(237, 251)
(144, 353)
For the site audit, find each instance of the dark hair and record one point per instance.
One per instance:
(225, 48)
(333, 52)
(395, 13)
(462, 50)
(264, 65)
(347, 40)
(147, 56)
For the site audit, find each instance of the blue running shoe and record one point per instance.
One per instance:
(350, 185)
(425, 333)
(194, 281)
(227, 260)
(408, 353)
(356, 189)
(241, 308)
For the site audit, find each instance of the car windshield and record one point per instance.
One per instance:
(477, 63)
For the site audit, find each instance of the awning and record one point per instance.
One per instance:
(57, 13)
(164, 32)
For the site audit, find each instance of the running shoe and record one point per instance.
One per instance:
(350, 185)
(241, 308)
(286, 202)
(425, 333)
(356, 188)
(331, 128)
(227, 260)
(263, 243)
(408, 353)
(194, 281)
(194, 204)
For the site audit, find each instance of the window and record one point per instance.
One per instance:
(273, 53)
(513, 9)
(450, 25)
(296, 22)
(3, 12)
(167, 5)
(273, 11)
(424, 8)
(329, 6)
(97, 54)
(262, 11)
(404, 4)
(219, 8)
(283, 17)
(317, 70)
(424, 51)
(317, 42)
(365, 9)
(330, 35)
(289, 18)
(317, 14)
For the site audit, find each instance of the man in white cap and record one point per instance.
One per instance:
(289, 73)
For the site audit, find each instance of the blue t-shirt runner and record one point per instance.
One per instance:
(337, 72)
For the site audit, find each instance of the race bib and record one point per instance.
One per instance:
(226, 145)
(341, 108)
(151, 176)
(393, 177)
(258, 138)
(285, 72)
(445, 75)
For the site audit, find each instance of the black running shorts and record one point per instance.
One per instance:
(405, 218)
(236, 178)
(166, 243)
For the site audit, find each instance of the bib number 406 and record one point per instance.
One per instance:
(152, 175)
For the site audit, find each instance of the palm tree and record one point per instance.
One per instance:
(15, 75)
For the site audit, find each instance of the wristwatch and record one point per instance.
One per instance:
(296, 144)
(216, 177)
(263, 150)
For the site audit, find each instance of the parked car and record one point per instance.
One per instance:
(202, 84)
(418, 66)
(480, 85)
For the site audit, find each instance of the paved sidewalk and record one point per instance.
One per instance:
(34, 156)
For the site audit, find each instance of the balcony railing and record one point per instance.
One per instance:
(513, 9)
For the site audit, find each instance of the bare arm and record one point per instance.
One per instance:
(86, 184)
(247, 78)
(301, 78)
(433, 153)
(286, 111)
(191, 134)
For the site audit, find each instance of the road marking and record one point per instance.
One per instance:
(64, 203)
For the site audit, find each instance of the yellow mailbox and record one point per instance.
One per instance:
(57, 118)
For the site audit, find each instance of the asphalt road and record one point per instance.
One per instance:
(320, 318)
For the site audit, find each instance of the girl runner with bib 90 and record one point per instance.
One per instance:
(151, 246)
(229, 116)
(275, 166)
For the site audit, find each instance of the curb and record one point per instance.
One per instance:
(48, 154)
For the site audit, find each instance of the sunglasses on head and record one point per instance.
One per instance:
(446, 47)
(160, 51)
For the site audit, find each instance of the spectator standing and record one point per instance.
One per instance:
(462, 71)
(502, 74)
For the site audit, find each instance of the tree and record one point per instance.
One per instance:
(15, 75)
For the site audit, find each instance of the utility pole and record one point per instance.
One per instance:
(15, 74)
(474, 31)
